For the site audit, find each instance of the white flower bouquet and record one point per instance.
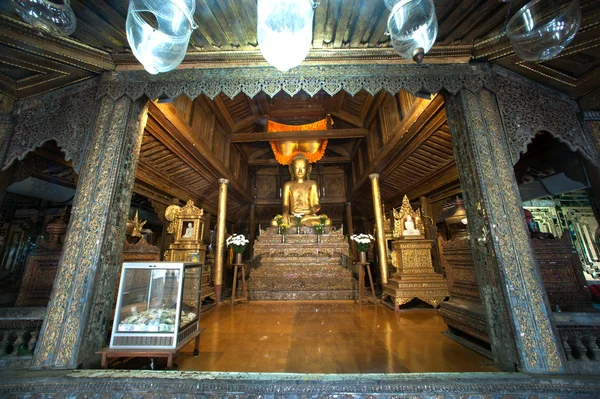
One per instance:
(362, 241)
(237, 243)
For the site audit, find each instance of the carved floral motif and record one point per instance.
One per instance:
(528, 108)
(311, 79)
(65, 116)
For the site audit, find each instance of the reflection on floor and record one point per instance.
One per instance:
(326, 337)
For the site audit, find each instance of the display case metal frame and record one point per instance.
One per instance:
(157, 339)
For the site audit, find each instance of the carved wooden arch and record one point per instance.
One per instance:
(571, 146)
(528, 108)
(65, 116)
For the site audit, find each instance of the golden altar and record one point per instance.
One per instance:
(415, 276)
(187, 225)
(301, 266)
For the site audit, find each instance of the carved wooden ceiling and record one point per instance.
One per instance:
(351, 31)
(344, 31)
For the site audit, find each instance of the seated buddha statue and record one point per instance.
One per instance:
(409, 227)
(301, 195)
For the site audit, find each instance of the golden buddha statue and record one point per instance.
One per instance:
(301, 195)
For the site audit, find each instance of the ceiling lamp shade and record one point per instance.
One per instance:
(284, 31)
(543, 28)
(390, 3)
(158, 32)
(413, 27)
(55, 18)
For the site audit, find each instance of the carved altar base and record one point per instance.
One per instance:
(415, 277)
(300, 268)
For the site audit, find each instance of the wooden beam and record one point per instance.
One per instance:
(324, 160)
(434, 181)
(22, 36)
(177, 136)
(299, 135)
(402, 135)
(148, 176)
(349, 119)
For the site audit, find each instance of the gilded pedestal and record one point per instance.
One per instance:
(300, 268)
(187, 224)
(415, 277)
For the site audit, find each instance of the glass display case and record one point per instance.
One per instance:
(158, 305)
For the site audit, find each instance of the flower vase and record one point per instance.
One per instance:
(318, 238)
(298, 229)
(283, 238)
(362, 257)
(238, 258)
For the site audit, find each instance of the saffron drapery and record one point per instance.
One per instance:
(286, 150)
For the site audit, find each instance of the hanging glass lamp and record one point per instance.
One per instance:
(413, 27)
(284, 31)
(158, 32)
(54, 17)
(543, 28)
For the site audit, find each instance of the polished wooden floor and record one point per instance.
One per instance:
(326, 337)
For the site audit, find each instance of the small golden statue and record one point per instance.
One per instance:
(301, 195)
(135, 225)
(408, 223)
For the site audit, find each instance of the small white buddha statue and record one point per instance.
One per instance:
(189, 231)
(409, 227)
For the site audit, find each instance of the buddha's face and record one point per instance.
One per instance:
(299, 168)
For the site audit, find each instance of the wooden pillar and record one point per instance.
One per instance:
(350, 226)
(592, 130)
(252, 228)
(381, 242)
(220, 251)
(517, 310)
(426, 211)
(7, 125)
(80, 307)
(7, 128)
(206, 233)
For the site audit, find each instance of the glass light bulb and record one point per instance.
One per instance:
(158, 32)
(55, 18)
(284, 30)
(543, 28)
(413, 27)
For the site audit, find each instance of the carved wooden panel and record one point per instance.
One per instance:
(218, 144)
(266, 187)
(389, 116)
(334, 187)
(40, 273)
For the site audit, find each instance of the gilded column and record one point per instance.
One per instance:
(350, 227)
(381, 244)
(517, 310)
(220, 253)
(80, 307)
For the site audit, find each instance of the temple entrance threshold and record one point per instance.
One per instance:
(326, 337)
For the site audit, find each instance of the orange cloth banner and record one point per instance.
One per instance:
(285, 151)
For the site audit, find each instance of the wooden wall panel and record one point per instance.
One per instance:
(334, 187)
(183, 106)
(266, 187)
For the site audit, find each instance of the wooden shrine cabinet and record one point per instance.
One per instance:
(187, 225)
(559, 265)
(42, 265)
